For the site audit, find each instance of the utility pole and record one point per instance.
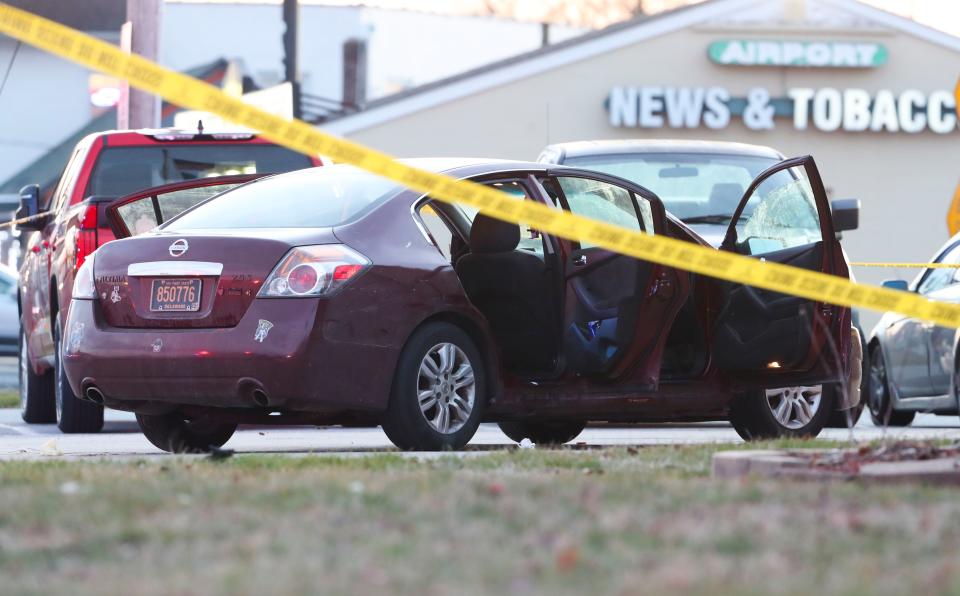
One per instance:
(354, 74)
(139, 109)
(291, 20)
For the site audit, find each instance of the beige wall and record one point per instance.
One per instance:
(906, 181)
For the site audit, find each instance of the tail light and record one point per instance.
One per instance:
(86, 236)
(313, 271)
(83, 284)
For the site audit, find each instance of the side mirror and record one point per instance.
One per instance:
(896, 284)
(30, 207)
(846, 214)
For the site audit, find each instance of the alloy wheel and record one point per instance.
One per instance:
(794, 407)
(446, 388)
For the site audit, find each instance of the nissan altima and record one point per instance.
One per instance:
(334, 296)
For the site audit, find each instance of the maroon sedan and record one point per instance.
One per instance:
(333, 296)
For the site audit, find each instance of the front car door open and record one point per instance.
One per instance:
(784, 217)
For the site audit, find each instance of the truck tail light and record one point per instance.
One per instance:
(318, 270)
(86, 236)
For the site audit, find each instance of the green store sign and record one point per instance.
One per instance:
(805, 54)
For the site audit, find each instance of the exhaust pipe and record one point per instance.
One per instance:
(260, 398)
(252, 389)
(94, 395)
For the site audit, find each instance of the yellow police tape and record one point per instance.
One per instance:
(300, 136)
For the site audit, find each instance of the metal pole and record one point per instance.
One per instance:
(291, 20)
(144, 16)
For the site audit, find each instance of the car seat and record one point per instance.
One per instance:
(512, 288)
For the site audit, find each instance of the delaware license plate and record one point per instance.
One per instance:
(175, 295)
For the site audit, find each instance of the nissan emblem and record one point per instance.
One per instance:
(178, 248)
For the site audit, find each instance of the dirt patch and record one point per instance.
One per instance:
(851, 461)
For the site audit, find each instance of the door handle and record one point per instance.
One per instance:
(580, 260)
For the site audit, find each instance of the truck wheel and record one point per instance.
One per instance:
(542, 433)
(74, 415)
(784, 412)
(36, 391)
(438, 391)
(176, 434)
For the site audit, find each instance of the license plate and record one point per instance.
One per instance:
(175, 295)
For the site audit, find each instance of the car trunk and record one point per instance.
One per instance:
(150, 282)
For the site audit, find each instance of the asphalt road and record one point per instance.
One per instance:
(121, 437)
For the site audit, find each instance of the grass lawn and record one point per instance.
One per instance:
(621, 521)
(9, 398)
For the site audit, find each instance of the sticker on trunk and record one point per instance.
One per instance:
(263, 328)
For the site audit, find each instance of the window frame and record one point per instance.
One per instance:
(652, 200)
(954, 248)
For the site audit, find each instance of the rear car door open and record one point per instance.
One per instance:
(617, 310)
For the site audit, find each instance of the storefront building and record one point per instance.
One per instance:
(869, 94)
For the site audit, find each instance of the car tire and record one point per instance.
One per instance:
(752, 414)
(878, 396)
(542, 433)
(175, 434)
(37, 404)
(74, 415)
(845, 418)
(438, 392)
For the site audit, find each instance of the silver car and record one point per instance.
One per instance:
(913, 365)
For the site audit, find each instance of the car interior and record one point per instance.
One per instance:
(514, 276)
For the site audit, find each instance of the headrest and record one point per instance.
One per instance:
(724, 198)
(493, 235)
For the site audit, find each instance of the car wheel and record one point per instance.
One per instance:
(176, 434)
(36, 394)
(782, 412)
(438, 391)
(878, 395)
(543, 433)
(74, 415)
(846, 418)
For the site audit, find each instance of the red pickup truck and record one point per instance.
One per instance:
(71, 224)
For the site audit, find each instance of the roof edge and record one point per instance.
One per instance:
(531, 63)
(587, 46)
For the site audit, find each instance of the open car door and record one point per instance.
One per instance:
(617, 310)
(146, 209)
(784, 216)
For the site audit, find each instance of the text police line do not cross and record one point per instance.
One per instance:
(300, 136)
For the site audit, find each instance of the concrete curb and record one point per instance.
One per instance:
(786, 464)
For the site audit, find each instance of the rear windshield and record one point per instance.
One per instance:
(315, 198)
(120, 171)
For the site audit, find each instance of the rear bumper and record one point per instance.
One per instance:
(300, 361)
